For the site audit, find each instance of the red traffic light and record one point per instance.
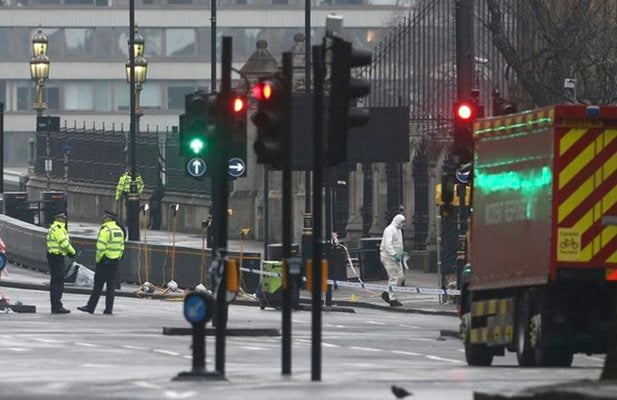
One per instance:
(264, 90)
(238, 104)
(465, 111)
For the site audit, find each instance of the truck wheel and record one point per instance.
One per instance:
(524, 350)
(478, 355)
(545, 355)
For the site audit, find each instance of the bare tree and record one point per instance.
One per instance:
(548, 41)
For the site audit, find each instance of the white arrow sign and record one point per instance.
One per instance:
(236, 167)
(196, 167)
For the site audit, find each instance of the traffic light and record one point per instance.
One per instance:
(237, 126)
(344, 90)
(465, 113)
(198, 125)
(271, 120)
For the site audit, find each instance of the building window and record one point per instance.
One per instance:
(24, 98)
(79, 42)
(79, 96)
(3, 93)
(102, 97)
(53, 97)
(180, 42)
(175, 96)
(122, 98)
(5, 49)
(151, 96)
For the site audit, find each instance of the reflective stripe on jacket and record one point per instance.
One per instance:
(110, 242)
(58, 241)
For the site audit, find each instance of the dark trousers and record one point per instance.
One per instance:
(105, 274)
(56, 283)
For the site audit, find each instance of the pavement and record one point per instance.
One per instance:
(342, 297)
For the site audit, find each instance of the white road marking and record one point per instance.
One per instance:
(405, 353)
(409, 326)
(17, 349)
(86, 344)
(170, 394)
(169, 353)
(126, 346)
(146, 385)
(375, 323)
(48, 340)
(329, 345)
(444, 359)
(257, 348)
(297, 321)
(364, 348)
(90, 365)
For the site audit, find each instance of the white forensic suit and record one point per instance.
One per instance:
(391, 253)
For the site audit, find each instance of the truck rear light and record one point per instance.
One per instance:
(611, 274)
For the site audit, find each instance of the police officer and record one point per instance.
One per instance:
(109, 250)
(124, 187)
(58, 246)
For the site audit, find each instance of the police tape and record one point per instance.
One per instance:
(368, 286)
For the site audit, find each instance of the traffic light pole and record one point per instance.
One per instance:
(287, 218)
(220, 192)
(318, 165)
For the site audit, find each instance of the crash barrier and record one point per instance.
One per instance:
(362, 285)
(26, 245)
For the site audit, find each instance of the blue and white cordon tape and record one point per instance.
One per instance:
(361, 285)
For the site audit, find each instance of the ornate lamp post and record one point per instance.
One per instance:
(39, 72)
(136, 69)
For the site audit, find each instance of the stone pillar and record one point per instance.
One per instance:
(247, 199)
(354, 223)
(380, 192)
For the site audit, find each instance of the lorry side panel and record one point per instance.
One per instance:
(585, 188)
(512, 201)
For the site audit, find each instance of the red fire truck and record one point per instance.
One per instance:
(543, 243)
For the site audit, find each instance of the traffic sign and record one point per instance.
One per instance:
(236, 167)
(196, 167)
(198, 307)
(463, 175)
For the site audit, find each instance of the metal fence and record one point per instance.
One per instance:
(99, 156)
(415, 66)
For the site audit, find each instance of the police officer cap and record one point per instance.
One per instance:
(110, 214)
(60, 215)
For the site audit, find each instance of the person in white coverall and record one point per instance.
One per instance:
(391, 254)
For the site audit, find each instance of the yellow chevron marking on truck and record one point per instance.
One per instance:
(610, 166)
(583, 158)
(478, 335)
(575, 199)
(609, 200)
(612, 258)
(598, 242)
(588, 219)
(570, 138)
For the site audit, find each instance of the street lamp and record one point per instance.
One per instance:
(39, 69)
(136, 69)
(39, 72)
(141, 70)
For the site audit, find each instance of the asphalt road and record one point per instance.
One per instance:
(125, 356)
